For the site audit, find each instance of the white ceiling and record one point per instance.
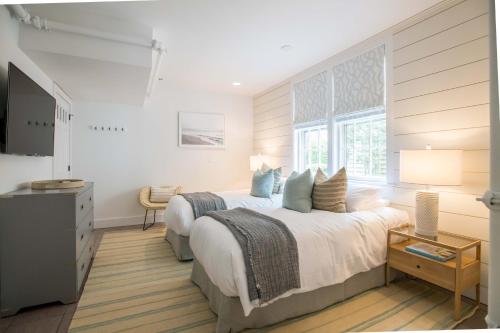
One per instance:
(214, 43)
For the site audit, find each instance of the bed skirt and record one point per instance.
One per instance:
(180, 244)
(230, 312)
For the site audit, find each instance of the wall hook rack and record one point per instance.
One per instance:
(108, 128)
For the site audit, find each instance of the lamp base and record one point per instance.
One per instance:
(427, 213)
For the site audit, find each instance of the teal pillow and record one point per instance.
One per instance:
(262, 184)
(297, 193)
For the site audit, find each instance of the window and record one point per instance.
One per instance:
(362, 146)
(339, 118)
(311, 148)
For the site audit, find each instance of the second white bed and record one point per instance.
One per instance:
(179, 216)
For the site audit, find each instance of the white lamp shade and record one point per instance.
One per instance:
(431, 167)
(256, 162)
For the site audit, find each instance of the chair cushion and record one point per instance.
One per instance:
(162, 194)
(297, 192)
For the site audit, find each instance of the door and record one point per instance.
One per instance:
(492, 197)
(62, 136)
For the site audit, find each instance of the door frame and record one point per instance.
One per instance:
(59, 92)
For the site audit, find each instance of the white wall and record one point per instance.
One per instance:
(437, 93)
(148, 154)
(18, 171)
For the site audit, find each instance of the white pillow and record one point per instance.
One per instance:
(362, 197)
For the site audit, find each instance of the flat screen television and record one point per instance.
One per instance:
(27, 120)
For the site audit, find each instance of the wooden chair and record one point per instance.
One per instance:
(144, 195)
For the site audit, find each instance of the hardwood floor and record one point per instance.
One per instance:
(56, 318)
(476, 321)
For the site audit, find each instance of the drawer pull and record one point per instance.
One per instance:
(90, 223)
(81, 207)
(418, 266)
(90, 198)
(83, 266)
(81, 237)
(90, 249)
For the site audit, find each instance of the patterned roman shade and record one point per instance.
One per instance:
(359, 83)
(313, 99)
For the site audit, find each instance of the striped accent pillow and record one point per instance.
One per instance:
(161, 194)
(330, 194)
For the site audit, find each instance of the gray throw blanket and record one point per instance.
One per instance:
(269, 251)
(203, 202)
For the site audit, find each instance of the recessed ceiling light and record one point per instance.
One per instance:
(286, 47)
(236, 84)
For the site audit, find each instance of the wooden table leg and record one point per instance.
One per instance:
(478, 294)
(458, 286)
(458, 304)
(387, 267)
(478, 286)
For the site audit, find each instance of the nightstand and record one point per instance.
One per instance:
(457, 275)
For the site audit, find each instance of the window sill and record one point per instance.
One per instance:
(368, 181)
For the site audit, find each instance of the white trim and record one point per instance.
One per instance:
(57, 90)
(120, 221)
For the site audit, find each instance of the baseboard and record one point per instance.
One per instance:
(122, 221)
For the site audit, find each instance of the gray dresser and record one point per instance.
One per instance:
(46, 246)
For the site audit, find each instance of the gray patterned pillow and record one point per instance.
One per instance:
(277, 187)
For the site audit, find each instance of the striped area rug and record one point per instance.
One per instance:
(136, 284)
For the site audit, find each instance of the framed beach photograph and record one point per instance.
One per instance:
(202, 130)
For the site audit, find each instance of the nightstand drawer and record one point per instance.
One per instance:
(423, 268)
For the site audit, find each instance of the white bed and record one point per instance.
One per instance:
(179, 215)
(332, 248)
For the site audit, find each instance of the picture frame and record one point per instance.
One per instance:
(202, 130)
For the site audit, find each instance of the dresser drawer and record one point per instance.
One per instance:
(84, 232)
(420, 267)
(84, 204)
(83, 263)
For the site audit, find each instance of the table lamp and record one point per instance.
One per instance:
(256, 162)
(429, 167)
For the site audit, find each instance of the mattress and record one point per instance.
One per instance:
(332, 247)
(179, 215)
(230, 316)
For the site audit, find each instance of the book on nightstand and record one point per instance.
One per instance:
(431, 251)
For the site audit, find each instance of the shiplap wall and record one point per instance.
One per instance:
(438, 94)
(273, 130)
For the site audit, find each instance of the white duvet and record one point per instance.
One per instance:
(179, 215)
(332, 247)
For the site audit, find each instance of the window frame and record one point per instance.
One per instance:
(297, 137)
(338, 140)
